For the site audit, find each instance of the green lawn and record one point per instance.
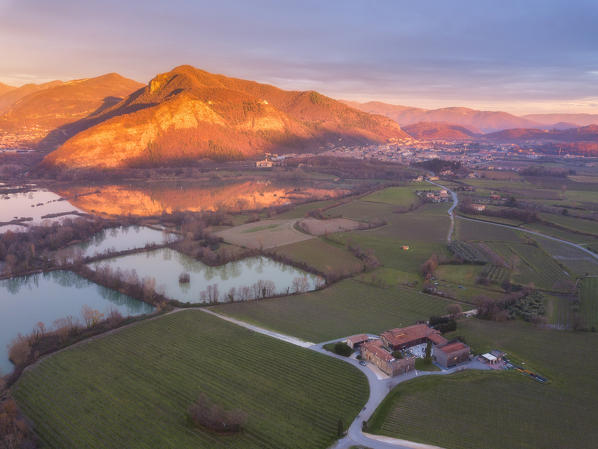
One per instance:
(345, 308)
(132, 389)
(473, 410)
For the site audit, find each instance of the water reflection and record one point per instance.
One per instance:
(123, 238)
(46, 297)
(159, 197)
(165, 266)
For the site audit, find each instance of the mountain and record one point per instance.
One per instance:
(188, 114)
(582, 134)
(61, 103)
(552, 120)
(484, 121)
(11, 96)
(4, 88)
(439, 131)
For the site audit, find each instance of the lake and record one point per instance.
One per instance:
(168, 196)
(46, 297)
(166, 265)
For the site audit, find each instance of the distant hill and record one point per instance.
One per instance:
(11, 96)
(59, 103)
(187, 114)
(439, 131)
(479, 121)
(556, 120)
(581, 134)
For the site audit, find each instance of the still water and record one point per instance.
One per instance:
(165, 265)
(34, 204)
(166, 197)
(27, 300)
(124, 238)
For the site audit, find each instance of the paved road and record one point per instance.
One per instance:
(539, 234)
(516, 228)
(451, 209)
(379, 388)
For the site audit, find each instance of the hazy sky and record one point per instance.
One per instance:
(521, 56)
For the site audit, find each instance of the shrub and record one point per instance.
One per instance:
(343, 349)
(204, 413)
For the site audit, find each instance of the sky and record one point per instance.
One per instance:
(523, 56)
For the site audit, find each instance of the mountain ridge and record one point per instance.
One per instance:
(480, 121)
(189, 114)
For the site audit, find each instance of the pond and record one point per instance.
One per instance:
(46, 297)
(250, 278)
(123, 238)
(33, 205)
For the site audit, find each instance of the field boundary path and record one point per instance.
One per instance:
(455, 198)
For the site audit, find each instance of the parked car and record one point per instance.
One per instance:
(362, 362)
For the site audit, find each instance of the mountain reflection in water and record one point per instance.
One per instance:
(156, 198)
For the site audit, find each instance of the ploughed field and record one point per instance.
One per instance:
(132, 389)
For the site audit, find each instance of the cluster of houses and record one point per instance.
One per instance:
(271, 160)
(433, 196)
(394, 353)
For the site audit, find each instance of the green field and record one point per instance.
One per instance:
(574, 259)
(478, 231)
(572, 223)
(403, 197)
(390, 251)
(459, 274)
(531, 264)
(132, 389)
(475, 410)
(324, 257)
(345, 308)
(588, 297)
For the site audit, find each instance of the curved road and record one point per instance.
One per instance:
(539, 234)
(451, 209)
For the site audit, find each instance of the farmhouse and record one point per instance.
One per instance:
(375, 352)
(406, 337)
(450, 354)
(433, 196)
(356, 341)
(266, 163)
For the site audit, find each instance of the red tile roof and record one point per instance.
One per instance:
(405, 335)
(358, 338)
(453, 347)
(437, 339)
(375, 347)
